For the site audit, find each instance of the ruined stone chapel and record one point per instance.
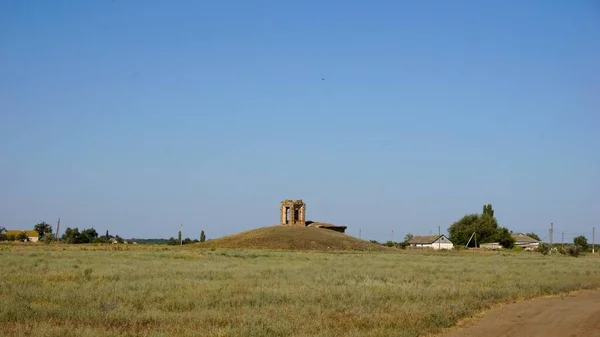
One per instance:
(293, 213)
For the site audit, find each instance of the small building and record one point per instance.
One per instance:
(524, 241)
(337, 228)
(113, 240)
(32, 236)
(431, 242)
(491, 246)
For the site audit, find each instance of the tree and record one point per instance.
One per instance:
(533, 236)
(22, 236)
(488, 210)
(88, 235)
(485, 227)
(3, 236)
(581, 241)
(107, 236)
(43, 229)
(407, 237)
(172, 241)
(179, 238)
(505, 238)
(202, 236)
(460, 232)
(71, 235)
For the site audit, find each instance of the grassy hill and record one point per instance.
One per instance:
(293, 238)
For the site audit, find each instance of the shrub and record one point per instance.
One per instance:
(22, 236)
(543, 248)
(49, 238)
(574, 250)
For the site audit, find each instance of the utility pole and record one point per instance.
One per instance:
(57, 228)
(550, 236)
(594, 240)
(359, 233)
(439, 239)
(181, 234)
(392, 235)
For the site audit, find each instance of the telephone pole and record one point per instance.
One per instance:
(550, 234)
(594, 240)
(57, 228)
(392, 235)
(181, 234)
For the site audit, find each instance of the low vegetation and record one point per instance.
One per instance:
(150, 290)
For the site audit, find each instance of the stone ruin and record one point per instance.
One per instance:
(293, 213)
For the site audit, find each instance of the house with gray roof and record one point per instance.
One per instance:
(430, 242)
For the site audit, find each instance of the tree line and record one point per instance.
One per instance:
(73, 235)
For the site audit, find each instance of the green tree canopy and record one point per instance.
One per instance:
(22, 236)
(485, 226)
(43, 228)
(461, 230)
(408, 237)
(202, 236)
(488, 210)
(71, 235)
(533, 236)
(504, 238)
(88, 235)
(581, 241)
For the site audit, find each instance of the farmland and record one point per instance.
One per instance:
(126, 290)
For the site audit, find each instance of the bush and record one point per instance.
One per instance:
(22, 236)
(49, 238)
(543, 248)
(574, 250)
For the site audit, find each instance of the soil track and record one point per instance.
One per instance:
(565, 316)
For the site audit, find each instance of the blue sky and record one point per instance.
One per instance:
(138, 116)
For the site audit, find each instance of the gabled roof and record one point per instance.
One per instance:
(425, 239)
(520, 237)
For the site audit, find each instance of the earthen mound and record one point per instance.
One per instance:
(293, 238)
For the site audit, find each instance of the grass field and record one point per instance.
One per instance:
(174, 291)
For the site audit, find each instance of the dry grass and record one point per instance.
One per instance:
(149, 291)
(293, 238)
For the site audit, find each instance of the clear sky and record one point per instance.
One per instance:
(138, 116)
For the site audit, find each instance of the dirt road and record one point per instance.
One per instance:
(566, 316)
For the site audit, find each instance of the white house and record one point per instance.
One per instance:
(431, 241)
(491, 246)
(522, 240)
(32, 236)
